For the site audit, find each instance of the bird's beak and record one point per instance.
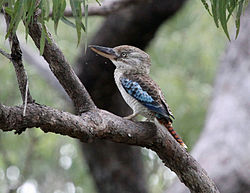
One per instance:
(104, 51)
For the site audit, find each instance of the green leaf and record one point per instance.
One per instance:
(55, 15)
(62, 7)
(47, 36)
(223, 17)
(58, 11)
(230, 7)
(42, 18)
(237, 20)
(77, 13)
(83, 27)
(45, 8)
(30, 9)
(10, 3)
(214, 6)
(204, 3)
(8, 10)
(15, 17)
(1, 3)
(85, 4)
(42, 39)
(99, 3)
(68, 22)
(71, 24)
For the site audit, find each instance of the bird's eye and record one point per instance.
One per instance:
(123, 54)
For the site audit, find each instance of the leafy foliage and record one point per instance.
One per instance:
(222, 11)
(58, 10)
(24, 10)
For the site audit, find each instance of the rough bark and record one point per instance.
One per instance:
(134, 26)
(224, 146)
(100, 124)
(22, 78)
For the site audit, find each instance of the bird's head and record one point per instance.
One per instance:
(125, 58)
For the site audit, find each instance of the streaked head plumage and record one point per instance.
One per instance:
(126, 58)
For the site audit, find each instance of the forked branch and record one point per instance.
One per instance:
(99, 124)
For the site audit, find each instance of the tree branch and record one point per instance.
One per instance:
(62, 70)
(16, 59)
(100, 124)
(106, 8)
(5, 54)
(22, 78)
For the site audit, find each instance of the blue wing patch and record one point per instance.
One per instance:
(134, 89)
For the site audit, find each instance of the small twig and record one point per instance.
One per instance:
(25, 98)
(27, 83)
(8, 56)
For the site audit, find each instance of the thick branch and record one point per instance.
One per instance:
(62, 70)
(99, 124)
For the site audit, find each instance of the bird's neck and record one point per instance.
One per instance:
(131, 71)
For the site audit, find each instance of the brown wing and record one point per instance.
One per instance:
(152, 89)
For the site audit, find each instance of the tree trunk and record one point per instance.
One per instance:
(116, 167)
(223, 149)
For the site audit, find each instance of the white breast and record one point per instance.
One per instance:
(132, 102)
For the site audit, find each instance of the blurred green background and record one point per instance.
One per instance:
(185, 53)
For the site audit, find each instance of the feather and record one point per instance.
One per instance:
(147, 92)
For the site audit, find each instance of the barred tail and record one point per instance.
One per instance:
(170, 128)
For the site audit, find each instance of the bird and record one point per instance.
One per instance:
(138, 90)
